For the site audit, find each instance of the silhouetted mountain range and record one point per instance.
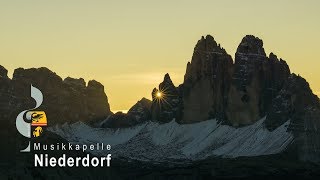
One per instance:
(67, 100)
(243, 92)
(252, 106)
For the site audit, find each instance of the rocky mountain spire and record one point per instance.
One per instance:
(165, 101)
(208, 44)
(251, 45)
(206, 82)
(245, 102)
(238, 93)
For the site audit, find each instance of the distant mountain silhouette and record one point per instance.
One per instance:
(67, 100)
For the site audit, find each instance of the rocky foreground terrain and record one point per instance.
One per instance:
(247, 117)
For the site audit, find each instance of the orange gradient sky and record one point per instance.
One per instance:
(129, 45)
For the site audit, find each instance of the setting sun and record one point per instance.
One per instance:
(159, 94)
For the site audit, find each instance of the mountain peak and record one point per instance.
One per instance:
(167, 78)
(273, 56)
(251, 45)
(167, 82)
(75, 82)
(3, 72)
(93, 84)
(209, 44)
(35, 74)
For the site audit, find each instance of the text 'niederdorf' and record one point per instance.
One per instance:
(83, 156)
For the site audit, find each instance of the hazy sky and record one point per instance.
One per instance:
(129, 45)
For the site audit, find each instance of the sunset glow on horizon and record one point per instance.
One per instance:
(131, 45)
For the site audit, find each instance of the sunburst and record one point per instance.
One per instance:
(161, 97)
(159, 94)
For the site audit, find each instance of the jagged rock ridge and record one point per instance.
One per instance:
(138, 113)
(241, 93)
(67, 100)
(165, 107)
(237, 93)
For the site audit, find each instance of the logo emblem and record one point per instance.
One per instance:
(37, 119)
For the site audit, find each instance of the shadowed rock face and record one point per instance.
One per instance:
(240, 93)
(165, 107)
(237, 93)
(295, 101)
(3, 72)
(206, 82)
(68, 100)
(141, 110)
(246, 86)
(138, 113)
(75, 82)
(243, 92)
(255, 81)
